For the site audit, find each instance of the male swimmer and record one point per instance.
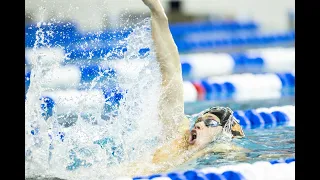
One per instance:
(179, 142)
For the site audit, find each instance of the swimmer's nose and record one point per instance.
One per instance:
(197, 127)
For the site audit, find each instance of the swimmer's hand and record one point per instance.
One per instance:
(154, 5)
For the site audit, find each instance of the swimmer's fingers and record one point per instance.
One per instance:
(153, 4)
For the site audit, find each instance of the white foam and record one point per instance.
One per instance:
(130, 68)
(62, 77)
(45, 56)
(74, 101)
(129, 128)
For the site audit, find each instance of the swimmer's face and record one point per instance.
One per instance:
(205, 130)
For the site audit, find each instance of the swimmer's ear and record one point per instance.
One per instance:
(237, 131)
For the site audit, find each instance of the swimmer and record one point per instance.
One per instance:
(181, 144)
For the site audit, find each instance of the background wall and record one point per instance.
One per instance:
(95, 14)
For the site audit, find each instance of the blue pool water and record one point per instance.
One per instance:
(263, 144)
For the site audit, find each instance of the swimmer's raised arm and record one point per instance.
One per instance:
(166, 50)
(171, 107)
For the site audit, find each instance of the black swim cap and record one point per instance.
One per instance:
(222, 113)
(225, 114)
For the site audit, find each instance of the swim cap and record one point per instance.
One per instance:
(228, 121)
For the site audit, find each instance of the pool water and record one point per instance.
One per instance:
(262, 144)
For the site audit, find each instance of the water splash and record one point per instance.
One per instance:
(89, 150)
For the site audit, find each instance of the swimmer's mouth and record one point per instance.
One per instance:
(193, 137)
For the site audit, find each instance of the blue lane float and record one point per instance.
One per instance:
(246, 86)
(202, 65)
(211, 90)
(248, 119)
(283, 168)
(54, 34)
(194, 66)
(73, 102)
(266, 117)
(83, 47)
(79, 77)
(179, 29)
(68, 33)
(253, 40)
(236, 87)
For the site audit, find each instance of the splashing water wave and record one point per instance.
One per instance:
(98, 150)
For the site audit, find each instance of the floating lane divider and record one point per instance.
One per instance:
(202, 65)
(74, 77)
(266, 117)
(68, 32)
(194, 65)
(74, 102)
(106, 99)
(199, 65)
(187, 45)
(245, 86)
(263, 170)
(183, 28)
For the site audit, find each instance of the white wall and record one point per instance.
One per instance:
(273, 14)
(91, 14)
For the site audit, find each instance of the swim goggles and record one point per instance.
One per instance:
(209, 122)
